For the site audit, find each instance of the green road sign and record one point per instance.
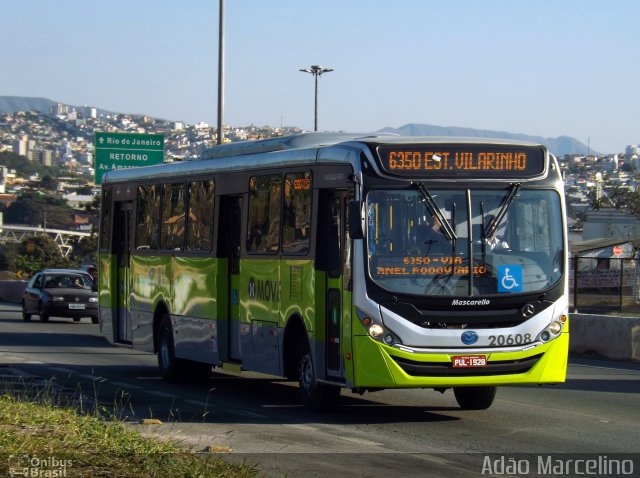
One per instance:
(127, 150)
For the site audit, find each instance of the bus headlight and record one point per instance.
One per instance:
(376, 331)
(555, 328)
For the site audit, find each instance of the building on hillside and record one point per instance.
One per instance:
(78, 201)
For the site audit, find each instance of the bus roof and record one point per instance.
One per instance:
(303, 147)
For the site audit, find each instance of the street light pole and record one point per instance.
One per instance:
(316, 71)
(221, 74)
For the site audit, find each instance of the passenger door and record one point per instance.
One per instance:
(122, 239)
(333, 205)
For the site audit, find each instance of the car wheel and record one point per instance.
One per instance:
(44, 316)
(25, 314)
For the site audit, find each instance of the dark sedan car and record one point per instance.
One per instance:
(61, 293)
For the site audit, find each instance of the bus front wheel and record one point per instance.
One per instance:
(317, 397)
(475, 398)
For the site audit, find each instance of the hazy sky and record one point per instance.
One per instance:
(544, 67)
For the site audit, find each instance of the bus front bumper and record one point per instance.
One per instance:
(379, 366)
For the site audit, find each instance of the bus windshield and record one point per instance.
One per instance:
(477, 242)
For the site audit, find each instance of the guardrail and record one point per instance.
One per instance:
(12, 290)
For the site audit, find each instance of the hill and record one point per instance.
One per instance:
(13, 104)
(559, 146)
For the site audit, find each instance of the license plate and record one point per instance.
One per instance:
(469, 361)
(76, 306)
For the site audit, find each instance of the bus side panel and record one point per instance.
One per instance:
(194, 313)
(298, 294)
(150, 286)
(298, 291)
(260, 293)
(107, 296)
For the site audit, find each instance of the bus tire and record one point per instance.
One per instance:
(166, 352)
(175, 369)
(475, 398)
(316, 397)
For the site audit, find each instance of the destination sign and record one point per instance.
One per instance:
(462, 161)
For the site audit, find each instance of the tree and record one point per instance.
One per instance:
(84, 251)
(621, 198)
(33, 208)
(49, 183)
(36, 253)
(23, 166)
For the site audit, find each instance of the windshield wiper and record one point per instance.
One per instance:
(495, 222)
(435, 211)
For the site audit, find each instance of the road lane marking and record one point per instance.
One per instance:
(359, 441)
(127, 385)
(306, 428)
(62, 370)
(198, 403)
(246, 413)
(92, 377)
(163, 394)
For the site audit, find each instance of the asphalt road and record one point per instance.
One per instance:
(258, 419)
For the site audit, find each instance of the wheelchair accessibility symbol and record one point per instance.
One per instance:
(510, 278)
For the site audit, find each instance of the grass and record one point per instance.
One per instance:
(38, 433)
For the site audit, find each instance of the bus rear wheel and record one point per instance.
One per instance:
(166, 353)
(317, 397)
(175, 369)
(475, 398)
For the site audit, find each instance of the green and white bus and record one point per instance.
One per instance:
(344, 261)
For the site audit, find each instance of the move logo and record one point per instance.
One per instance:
(264, 290)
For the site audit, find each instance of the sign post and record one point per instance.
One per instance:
(126, 150)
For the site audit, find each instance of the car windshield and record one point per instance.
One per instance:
(67, 281)
(429, 242)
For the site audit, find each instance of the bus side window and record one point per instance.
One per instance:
(105, 226)
(200, 216)
(263, 231)
(173, 217)
(147, 217)
(297, 213)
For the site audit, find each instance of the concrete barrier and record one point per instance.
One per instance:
(608, 336)
(11, 290)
